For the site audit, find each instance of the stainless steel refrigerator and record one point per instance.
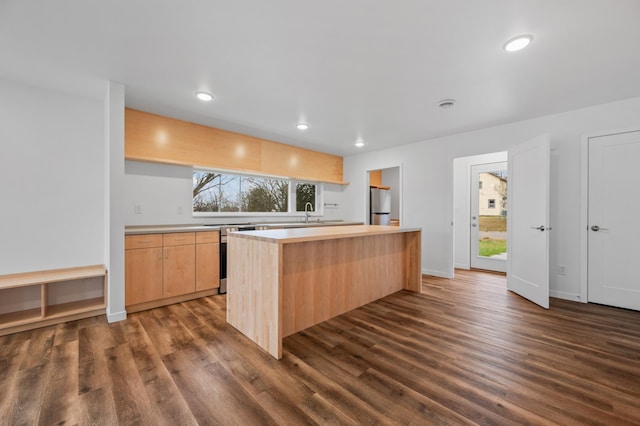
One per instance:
(380, 206)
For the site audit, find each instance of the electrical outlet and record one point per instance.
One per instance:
(137, 209)
(562, 270)
(179, 210)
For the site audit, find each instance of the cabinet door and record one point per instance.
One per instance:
(143, 275)
(179, 270)
(207, 266)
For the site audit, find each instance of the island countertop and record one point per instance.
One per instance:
(297, 235)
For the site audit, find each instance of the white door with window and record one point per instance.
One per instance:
(614, 234)
(528, 225)
(489, 216)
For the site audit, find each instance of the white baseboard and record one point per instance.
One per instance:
(462, 266)
(566, 296)
(117, 316)
(436, 273)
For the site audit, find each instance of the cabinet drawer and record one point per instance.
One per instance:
(207, 237)
(179, 239)
(142, 241)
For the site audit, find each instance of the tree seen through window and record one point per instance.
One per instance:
(217, 192)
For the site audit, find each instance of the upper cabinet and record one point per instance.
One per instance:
(375, 180)
(154, 138)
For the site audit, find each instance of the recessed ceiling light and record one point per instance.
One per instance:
(204, 96)
(302, 126)
(359, 144)
(518, 43)
(447, 103)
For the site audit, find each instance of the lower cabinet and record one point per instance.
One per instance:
(207, 261)
(163, 267)
(179, 270)
(143, 275)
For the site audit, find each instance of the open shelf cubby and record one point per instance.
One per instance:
(36, 299)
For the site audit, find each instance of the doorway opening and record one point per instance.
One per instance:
(488, 236)
(384, 196)
(528, 225)
(462, 194)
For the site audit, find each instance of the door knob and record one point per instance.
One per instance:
(596, 228)
(540, 228)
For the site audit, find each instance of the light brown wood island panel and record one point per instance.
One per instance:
(282, 281)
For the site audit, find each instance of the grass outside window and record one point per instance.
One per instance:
(489, 247)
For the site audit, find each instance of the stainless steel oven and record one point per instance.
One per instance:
(223, 250)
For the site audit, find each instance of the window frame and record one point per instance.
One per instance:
(291, 202)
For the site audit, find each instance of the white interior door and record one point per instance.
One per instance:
(488, 236)
(614, 235)
(528, 225)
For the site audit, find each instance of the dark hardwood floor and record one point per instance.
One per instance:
(465, 352)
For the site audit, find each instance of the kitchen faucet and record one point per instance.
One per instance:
(306, 213)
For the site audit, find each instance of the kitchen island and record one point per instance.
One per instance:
(283, 281)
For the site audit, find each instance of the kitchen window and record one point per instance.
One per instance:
(222, 193)
(306, 193)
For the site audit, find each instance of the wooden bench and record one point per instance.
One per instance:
(37, 299)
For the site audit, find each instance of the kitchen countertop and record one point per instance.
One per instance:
(297, 235)
(163, 229)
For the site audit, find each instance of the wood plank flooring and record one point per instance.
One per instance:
(465, 352)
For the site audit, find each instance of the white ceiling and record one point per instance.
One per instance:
(370, 69)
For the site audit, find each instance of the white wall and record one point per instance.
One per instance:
(159, 190)
(52, 194)
(114, 199)
(428, 180)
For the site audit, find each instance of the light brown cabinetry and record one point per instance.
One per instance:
(375, 180)
(187, 144)
(207, 261)
(179, 268)
(143, 268)
(161, 268)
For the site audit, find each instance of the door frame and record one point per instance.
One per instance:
(461, 217)
(367, 201)
(584, 206)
